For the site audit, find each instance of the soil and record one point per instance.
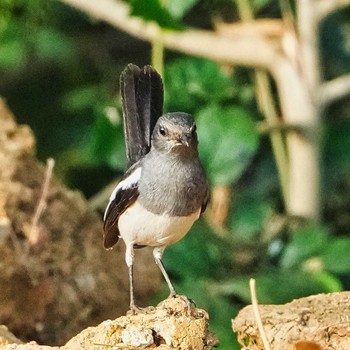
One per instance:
(174, 324)
(62, 280)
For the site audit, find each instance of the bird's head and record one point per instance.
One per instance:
(175, 133)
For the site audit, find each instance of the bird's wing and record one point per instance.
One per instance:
(123, 196)
(142, 100)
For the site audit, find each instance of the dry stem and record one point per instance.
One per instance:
(33, 236)
(257, 314)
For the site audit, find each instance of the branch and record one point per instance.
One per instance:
(241, 49)
(308, 44)
(326, 7)
(250, 50)
(335, 89)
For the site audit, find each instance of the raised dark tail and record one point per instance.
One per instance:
(142, 100)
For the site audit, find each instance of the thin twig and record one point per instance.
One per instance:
(324, 8)
(287, 15)
(268, 107)
(158, 53)
(335, 89)
(278, 126)
(257, 314)
(33, 235)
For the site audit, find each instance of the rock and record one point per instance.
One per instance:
(174, 324)
(316, 322)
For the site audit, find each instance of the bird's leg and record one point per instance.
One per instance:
(129, 259)
(157, 253)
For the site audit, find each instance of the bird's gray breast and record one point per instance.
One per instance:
(177, 187)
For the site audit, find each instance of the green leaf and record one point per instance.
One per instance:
(274, 286)
(228, 141)
(13, 48)
(191, 83)
(198, 254)
(107, 144)
(51, 44)
(179, 8)
(82, 98)
(12, 54)
(337, 139)
(282, 287)
(305, 243)
(152, 10)
(259, 5)
(329, 282)
(336, 255)
(248, 217)
(6, 15)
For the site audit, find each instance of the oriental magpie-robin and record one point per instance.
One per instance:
(165, 188)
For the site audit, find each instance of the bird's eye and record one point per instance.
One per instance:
(162, 131)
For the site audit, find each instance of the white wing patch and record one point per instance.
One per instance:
(129, 181)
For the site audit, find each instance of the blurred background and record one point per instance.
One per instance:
(59, 73)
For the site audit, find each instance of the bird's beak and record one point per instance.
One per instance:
(184, 140)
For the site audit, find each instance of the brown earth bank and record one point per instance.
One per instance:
(55, 277)
(174, 324)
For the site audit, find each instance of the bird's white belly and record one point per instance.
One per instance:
(139, 226)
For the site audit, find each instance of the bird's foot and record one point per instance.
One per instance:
(190, 306)
(184, 298)
(135, 310)
(173, 294)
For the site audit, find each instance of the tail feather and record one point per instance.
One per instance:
(132, 127)
(149, 101)
(142, 100)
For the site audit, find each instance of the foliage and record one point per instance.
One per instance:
(62, 80)
(222, 119)
(152, 10)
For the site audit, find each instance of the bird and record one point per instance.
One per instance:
(165, 188)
